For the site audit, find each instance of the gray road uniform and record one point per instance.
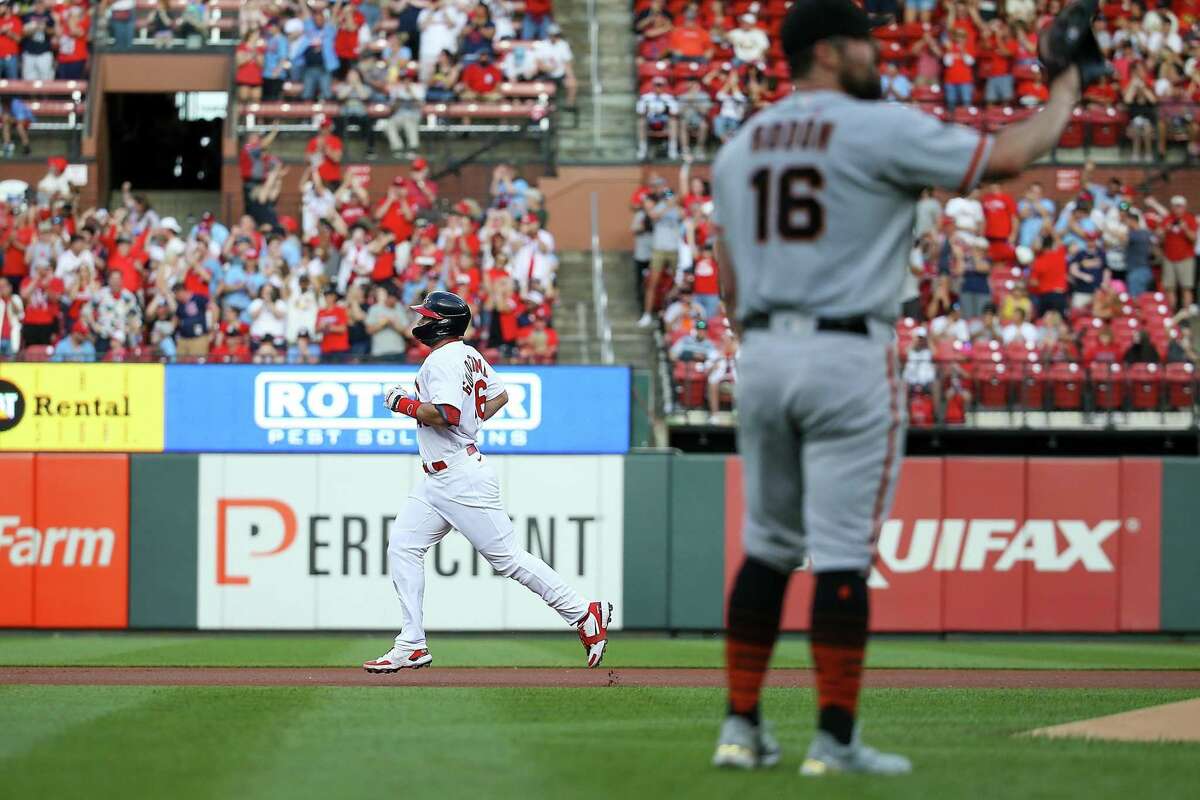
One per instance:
(815, 198)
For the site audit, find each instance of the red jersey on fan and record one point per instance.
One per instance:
(333, 342)
(329, 170)
(1176, 246)
(999, 210)
(14, 254)
(706, 279)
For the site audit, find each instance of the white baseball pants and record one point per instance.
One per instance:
(466, 497)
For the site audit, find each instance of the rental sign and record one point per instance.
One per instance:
(1006, 545)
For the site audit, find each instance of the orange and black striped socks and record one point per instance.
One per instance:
(755, 608)
(838, 639)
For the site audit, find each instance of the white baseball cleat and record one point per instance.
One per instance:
(396, 659)
(743, 745)
(593, 632)
(827, 755)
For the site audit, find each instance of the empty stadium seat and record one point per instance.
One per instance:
(1180, 381)
(1066, 381)
(1107, 385)
(1145, 383)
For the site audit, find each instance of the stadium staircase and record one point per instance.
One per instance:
(606, 129)
(576, 315)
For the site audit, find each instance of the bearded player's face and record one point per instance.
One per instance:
(858, 71)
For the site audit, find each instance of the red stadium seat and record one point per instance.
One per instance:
(1031, 386)
(1073, 134)
(1107, 125)
(690, 381)
(1107, 385)
(991, 384)
(1066, 381)
(920, 409)
(1145, 383)
(956, 408)
(1180, 382)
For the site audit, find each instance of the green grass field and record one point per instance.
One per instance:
(624, 742)
(629, 650)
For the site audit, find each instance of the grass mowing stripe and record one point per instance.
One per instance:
(579, 743)
(156, 741)
(24, 725)
(333, 650)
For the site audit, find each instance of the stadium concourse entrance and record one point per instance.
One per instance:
(168, 148)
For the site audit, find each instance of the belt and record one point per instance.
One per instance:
(856, 324)
(438, 466)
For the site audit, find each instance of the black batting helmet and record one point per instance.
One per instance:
(446, 316)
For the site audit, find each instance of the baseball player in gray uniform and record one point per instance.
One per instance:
(815, 201)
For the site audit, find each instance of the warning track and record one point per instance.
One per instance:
(526, 677)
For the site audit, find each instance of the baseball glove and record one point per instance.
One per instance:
(1068, 41)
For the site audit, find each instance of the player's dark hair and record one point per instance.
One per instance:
(800, 62)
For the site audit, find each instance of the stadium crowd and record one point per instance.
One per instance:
(331, 283)
(996, 284)
(705, 66)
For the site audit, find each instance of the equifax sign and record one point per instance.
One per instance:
(55, 546)
(961, 545)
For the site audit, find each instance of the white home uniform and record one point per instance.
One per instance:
(460, 491)
(816, 199)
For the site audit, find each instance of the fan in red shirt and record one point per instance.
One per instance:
(334, 326)
(999, 214)
(481, 79)
(706, 285)
(249, 73)
(422, 192)
(958, 76)
(1102, 94)
(393, 213)
(10, 32)
(73, 46)
(1104, 348)
(121, 259)
(996, 62)
(325, 153)
(15, 238)
(347, 41)
(233, 345)
(690, 41)
(40, 293)
(1048, 277)
(1179, 248)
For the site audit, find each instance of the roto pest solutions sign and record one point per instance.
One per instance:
(301, 542)
(244, 408)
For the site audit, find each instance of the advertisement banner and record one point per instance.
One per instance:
(81, 407)
(320, 409)
(301, 542)
(64, 541)
(993, 544)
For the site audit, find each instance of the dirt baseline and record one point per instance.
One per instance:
(519, 677)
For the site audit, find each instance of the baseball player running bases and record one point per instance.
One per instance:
(815, 201)
(456, 392)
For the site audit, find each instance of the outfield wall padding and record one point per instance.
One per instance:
(1181, 545)
(647, 547)
(162, 558)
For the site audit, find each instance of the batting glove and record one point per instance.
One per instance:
(394, 395)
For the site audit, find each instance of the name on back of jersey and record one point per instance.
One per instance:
(794, 134)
